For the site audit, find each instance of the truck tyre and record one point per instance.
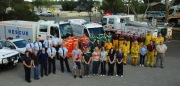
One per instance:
(173, 22)
(150, 18)
(163, 19)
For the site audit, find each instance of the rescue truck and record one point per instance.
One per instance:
(174, 17)
(126, 23)
(80, 27)
(32, 30)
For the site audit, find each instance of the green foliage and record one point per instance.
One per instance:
(87, 4)
(22, 12)
(112, 6)
(150, 1)
(176, 2)
(69, 5)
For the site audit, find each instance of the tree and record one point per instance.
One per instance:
(69, 5)
(176, 2)
(88, 5)
(112, 6)
(150, 1)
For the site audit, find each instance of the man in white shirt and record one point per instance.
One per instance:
(37, 45)
(161, 48)
(51, 58)
(63, 58)
(55, 42)
(30, 46)
(47, 42)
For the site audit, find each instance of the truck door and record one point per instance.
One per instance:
(53, 30)
(2, 30)
(42, 32)
(111, 23)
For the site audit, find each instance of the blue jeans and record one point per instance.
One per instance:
(36, 72)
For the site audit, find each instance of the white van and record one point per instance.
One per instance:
(80, 27)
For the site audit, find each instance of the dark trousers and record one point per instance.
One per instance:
(119, 68)
(27, 73)
(103, 68)
(62, 64)
(111, 69)
(36, 72)
(95, 67)
(43, 69)
(51, 62)
(86, 69)
(142, 57)
(57, 54)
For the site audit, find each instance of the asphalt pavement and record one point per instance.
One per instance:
(133, 76)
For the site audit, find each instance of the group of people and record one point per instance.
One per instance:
(111, 49)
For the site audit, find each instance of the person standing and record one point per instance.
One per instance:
(121, 39)
(104, 39)
(85, 45)
(150, 56)
(103, 60)
(148, 38)
(157, 42)
(43, 58)
(96, 58)
(98, 44)
(125, 50)
(30, 47)
(51, 60)
(115, 41)
(143, 52)
(63, 58)
(99, 37)
(69, 46)
(27, 62)
(128, 39)
(35, 64)
(83, 40)
(134, 53)
(92, 40)
(38, 45)
(76, 55)
(47, 43)
(87, 58)
(108, 45)
(141, 40)
(119, 62)
(111, 62)
(55, 42)
(161, 48)
(109, 36)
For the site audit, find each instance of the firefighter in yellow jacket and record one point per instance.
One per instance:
(125, 50)
(134, 53)
(150, 54)
(148, 38)
(157, 42)
(108, 45)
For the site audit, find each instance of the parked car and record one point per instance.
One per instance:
(156, 15)
(47, 13)
(7, 56)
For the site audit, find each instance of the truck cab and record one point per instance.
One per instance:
(80, 27)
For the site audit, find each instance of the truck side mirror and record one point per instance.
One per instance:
(12, 47)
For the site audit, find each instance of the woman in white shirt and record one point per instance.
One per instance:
(103, 59)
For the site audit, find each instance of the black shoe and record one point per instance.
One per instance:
(75, 76)
(46, 74)
(62, 71)
(54, 73)
(162, 67)
(80, 76)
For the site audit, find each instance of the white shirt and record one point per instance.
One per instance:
(103, 55)
(161, 48)
(76, 54)
(51, 51)
(47, 43)
(38, 46)
(63, 49)
(55, 40)
(30, 46)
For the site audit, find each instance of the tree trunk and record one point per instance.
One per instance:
(146, 10)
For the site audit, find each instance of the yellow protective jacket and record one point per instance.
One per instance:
(158, 39)
(148, 39)
(135, 51)
(125, 49)
(108, 46)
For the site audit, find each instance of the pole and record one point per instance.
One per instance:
(167, 10)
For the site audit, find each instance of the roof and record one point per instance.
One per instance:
(119, 16)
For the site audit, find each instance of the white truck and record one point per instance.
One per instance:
(8, 57)
(80, 27)
(32, 30)
(126, 24)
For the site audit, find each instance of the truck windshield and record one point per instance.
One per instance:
(104, 21)
(66, 30)
(96, 31)
(1, 46)
(20, 44)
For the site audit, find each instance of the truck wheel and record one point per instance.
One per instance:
(172, 23)
(163, 19)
